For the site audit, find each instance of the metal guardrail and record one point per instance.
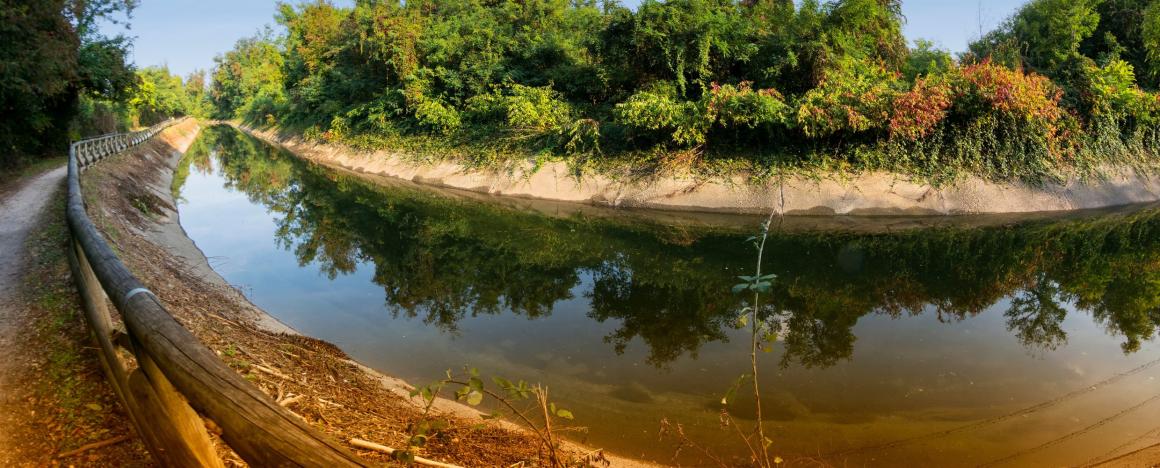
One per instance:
(166, 378)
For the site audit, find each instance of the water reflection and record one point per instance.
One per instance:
(533, 296)
(440, 259)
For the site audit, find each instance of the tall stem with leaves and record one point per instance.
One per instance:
(760, 330)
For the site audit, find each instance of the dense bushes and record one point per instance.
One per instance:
(764, 83)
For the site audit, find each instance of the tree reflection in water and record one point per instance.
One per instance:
(440, 259)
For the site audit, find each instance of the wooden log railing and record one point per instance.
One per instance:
(176, 380)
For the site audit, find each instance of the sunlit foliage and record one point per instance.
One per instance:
(1062, 85)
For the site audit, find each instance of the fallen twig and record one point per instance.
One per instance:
(94, 446)
(270, 371)
(331, 403)
(390, 451)
(290, 400)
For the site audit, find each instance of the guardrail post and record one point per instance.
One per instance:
(164, 441)
(184, 421)
(97, 314)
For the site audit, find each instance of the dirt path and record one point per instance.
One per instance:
(20, 208)
(53, 396)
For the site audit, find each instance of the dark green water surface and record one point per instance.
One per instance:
(971, 342)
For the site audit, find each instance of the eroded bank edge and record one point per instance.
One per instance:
(869, 194)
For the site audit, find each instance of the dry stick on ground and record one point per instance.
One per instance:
(291, 400)
(390, 451)
(542, 397)
(94, 446)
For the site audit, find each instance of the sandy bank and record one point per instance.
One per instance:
(133, 204)
(870, 194)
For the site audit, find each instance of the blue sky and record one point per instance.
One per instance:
(187, 34)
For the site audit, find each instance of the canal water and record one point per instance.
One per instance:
(970, 343)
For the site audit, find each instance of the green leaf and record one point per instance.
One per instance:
(742, 321)
(563, 413)
(502, 382)
(737, 288)
(475, 383)
(474, 398)
(732, 392)
(404, 456)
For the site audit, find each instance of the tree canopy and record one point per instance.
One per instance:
(50, 55)
(1060, 84)
(61, 78)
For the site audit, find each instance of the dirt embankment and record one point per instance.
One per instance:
(870, 194)
(133, 204)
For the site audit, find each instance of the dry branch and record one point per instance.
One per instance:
(94, 446)
(390, 451)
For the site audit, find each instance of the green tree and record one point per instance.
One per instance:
(247, 81)
(50, 55)
(925, 59)
(159, 95)
(1044, 35)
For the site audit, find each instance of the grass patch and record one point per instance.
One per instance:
(79, 407)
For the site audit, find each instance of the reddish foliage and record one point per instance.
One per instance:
(918, 111)
(1029, 95)
(975, 91)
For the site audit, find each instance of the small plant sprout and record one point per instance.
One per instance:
(525, 403)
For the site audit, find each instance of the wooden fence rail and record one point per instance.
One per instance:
(166, 378)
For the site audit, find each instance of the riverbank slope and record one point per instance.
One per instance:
(135, 207)
(866, 194)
